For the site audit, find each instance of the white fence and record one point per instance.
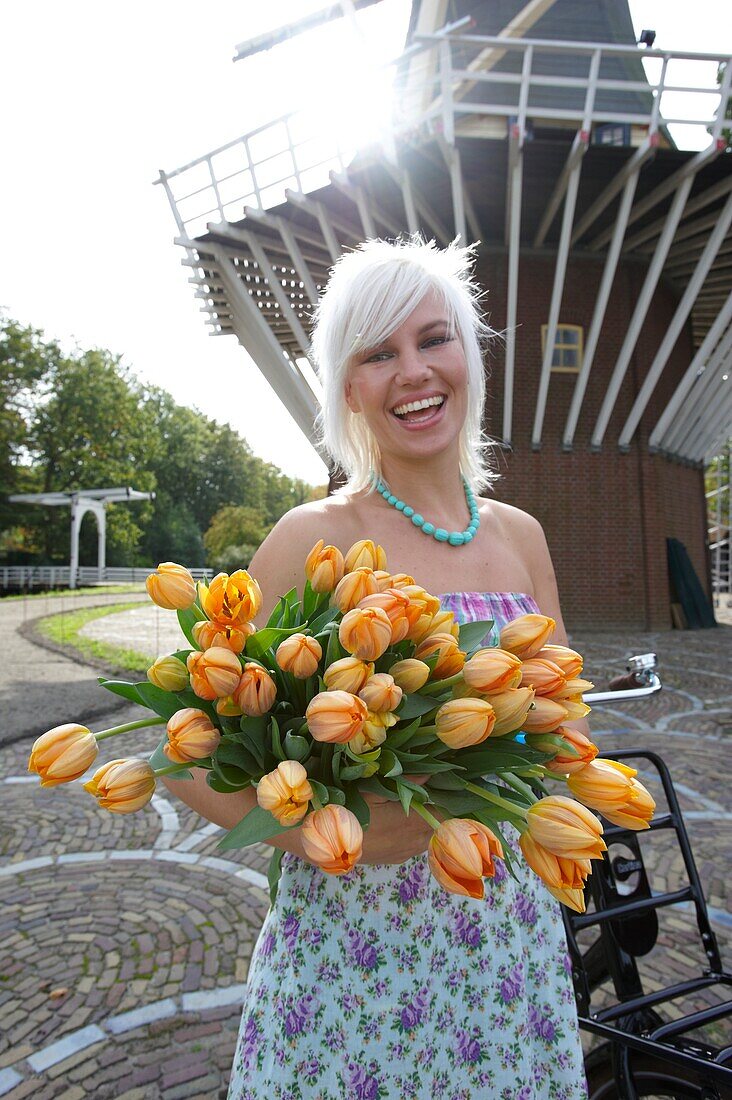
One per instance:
(59, 576)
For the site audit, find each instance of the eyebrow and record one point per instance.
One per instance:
(442, 323)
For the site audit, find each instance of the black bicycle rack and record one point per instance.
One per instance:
(625, 914)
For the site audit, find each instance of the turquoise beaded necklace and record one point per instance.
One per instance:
(452, 538)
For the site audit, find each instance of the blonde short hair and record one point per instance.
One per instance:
(371, 292)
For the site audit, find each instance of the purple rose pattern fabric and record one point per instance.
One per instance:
(380, 985)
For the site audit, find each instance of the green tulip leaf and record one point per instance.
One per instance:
(473, 634)
(121, 687)
(415, 705)
(160, 760)
(256, 826)
(320, 791)
(274, 872)
(389, 765)
(188, 620)
(358, 806)
(164, 703)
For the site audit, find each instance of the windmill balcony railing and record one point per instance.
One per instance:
(438, 85)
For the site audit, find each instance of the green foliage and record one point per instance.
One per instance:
(78, 420)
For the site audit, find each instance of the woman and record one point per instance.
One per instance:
(380, 983)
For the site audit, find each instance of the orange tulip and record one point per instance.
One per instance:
(227, 707)
(395, 604)
(410, 675)
(461, 854)
(214, 673)
(63, 754)
(232, 600)
(324, 567)
(421, 611)
(547, 714)
(373, 731)
(353, 588)
(565, 828)
(300, 655)
(191, 736)
(285, 792)
(335, 716)
(207, 635)
(510, 708)
(256, 691)
(464, 722)
(611, 788)
(381, 693)
(526, 635)
(566, 763)
(570, 697)
(365, 552)
(396, 580)
(332, 838)
(365, 632)
(348, 674)
(492, 670)
(542, 675)
(558, 873)
(450, 660)
(168, 674)
(573, 899)
(122, 786)
(568, 660)
(171, 587)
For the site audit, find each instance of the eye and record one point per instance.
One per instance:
(435, 340)
(377, 357)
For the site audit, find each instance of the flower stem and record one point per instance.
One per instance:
(426, 815)
(316, 803)
(113, 730)
(513, 781)
(435, 686)
(510, 807)
(428, 729)
(171, 769)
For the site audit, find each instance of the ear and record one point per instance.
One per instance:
(350, 398)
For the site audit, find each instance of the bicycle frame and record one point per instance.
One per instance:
(627, 924)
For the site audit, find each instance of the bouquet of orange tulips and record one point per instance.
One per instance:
(348, 690)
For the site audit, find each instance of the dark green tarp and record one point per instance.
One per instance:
(686, 589)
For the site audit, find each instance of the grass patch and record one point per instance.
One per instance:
(64, 630)
(93, 590)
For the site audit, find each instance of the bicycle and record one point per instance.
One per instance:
(643, 1055)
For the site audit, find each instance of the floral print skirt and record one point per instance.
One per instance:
(380, 984)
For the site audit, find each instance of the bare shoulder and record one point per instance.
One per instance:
(513, 521)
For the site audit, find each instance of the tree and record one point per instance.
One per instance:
(233, 537)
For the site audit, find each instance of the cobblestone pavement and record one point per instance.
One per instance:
(126, 939)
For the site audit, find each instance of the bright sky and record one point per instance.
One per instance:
(98, 97)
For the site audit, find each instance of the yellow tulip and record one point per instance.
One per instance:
(285, 792)
(395, 604)
(380, 692)
(450, 659)
(570, 697)
(461, 855)
(348, 674)
(410, 674)
(492, 670)
(573, 899)
(191, 736)
(511, 708)
(568, 660)
(227, 707)
(444, 622)
(335, 716)
(232, 600)
(353, 587)
(332, 838)
(300, 655)
(373, 731)
(256, 691)
(214, 673)
(612, 789)
(365, 552)
(526, 635)
(171, 587)
(63, 754)
(545, 716)
(543, 676)
(565, 828)
(122, 786)
(168, 674)
(324, 567)
(558, 873)
(365, 632)
(207, 635)
(566, 763)
(464, 722)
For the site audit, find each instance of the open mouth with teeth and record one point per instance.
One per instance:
(418, 412)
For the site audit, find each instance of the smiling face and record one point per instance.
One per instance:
(422, 363)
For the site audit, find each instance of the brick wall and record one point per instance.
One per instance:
(607, 514)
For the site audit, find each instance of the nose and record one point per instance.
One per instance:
(413, 366)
